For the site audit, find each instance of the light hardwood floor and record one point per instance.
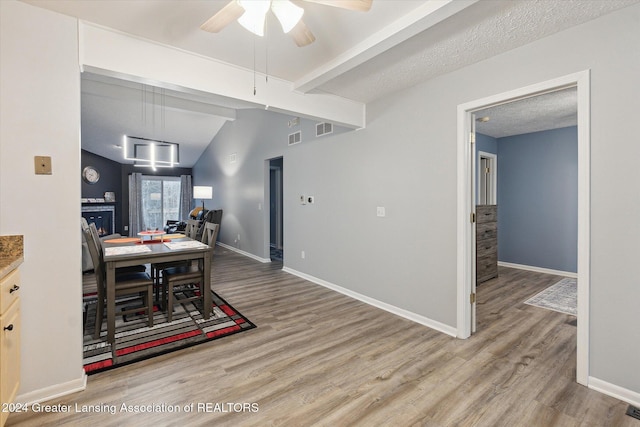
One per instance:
(320, 358)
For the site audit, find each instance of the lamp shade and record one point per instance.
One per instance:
(202, 192)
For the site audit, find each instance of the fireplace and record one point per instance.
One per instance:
(103, 216)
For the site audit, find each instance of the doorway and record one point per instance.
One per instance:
(276, 247)
(467, 199)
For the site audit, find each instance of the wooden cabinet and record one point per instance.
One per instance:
(486, 242)
(9, 339)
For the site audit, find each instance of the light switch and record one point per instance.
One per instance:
(42, 165)
(380, 211)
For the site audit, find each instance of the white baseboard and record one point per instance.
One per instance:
(433, 324)
(538, 269)
(54, 391)
(241, 252)
(613, 390)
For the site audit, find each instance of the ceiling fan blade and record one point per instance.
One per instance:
(359, 5)
(301, 35)
(224, 17)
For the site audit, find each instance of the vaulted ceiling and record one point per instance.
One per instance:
(361, 56)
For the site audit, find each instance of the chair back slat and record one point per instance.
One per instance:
(191, 230)
(210, 233)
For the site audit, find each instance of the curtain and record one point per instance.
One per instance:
(135, 204)
(186, 196)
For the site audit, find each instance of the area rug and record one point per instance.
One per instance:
(135, 341)
(561, 297)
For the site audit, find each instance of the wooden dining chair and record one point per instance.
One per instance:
(210, 233)
(125, 284)
(191, 230)
(187, 275)
(121, 270)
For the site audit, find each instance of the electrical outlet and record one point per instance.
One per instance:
(302, 255)
(381, 211)
(311, 199)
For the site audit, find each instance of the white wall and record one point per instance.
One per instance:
(405, 160)
(40, 116)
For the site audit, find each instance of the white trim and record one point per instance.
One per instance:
(538, 269)
(113, 53)
(613, 390)
(493, 174)
(433, 324)
(241, 252)
(466, 276)
(54, 391)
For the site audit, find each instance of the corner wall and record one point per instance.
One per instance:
(40, 115)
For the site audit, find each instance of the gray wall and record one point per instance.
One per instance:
(538, 199)
(405, 160)
(239, 187)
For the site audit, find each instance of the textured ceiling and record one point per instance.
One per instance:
(480, 31)
(476, 30)
(543, 112)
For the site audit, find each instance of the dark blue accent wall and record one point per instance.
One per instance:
(538, 199)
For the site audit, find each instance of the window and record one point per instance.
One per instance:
(160, 200)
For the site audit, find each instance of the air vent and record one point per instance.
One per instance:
(323, 129)
(295, 138)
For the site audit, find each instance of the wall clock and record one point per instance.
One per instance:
(90, 175)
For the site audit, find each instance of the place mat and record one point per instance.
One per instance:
(147, 242)
(122, 250)
(174, 236)
(123, 240)
(187, 244)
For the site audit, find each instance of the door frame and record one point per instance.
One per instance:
(265, 207)
(493, 174)
(466, 198)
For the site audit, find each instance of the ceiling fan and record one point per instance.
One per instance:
(251, 14)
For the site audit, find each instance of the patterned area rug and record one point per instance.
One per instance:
(561, 297)
(135, 341)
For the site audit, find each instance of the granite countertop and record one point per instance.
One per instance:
(11, 254)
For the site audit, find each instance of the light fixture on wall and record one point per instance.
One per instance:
(150, 152)
(203, 192)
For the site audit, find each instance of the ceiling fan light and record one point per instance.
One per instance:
(254, 15)
(287, 13)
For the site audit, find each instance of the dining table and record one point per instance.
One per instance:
(128, 253)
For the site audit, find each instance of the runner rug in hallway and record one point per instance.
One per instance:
(135, 341)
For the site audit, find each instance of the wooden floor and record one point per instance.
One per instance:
(321, 358)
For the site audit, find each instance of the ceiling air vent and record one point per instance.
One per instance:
(323, 129)
(295, 137)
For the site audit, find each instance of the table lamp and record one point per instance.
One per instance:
(202, 192)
